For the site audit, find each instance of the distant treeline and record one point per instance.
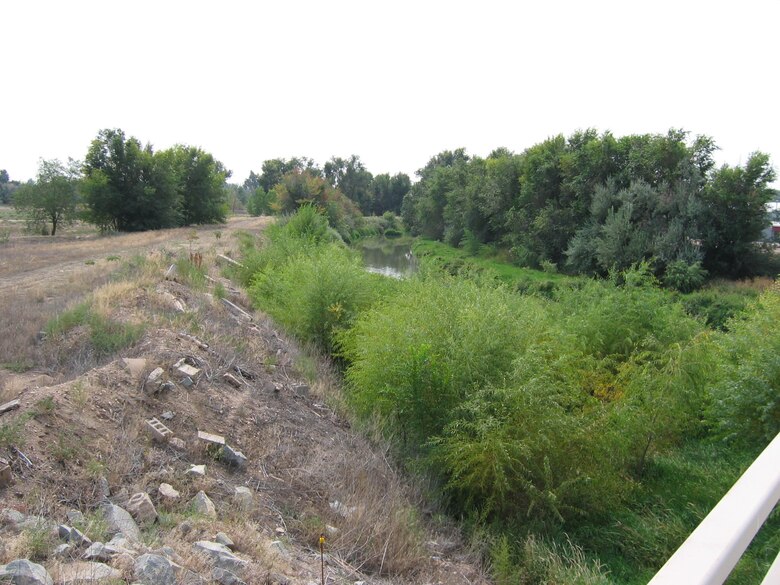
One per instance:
(591, 203)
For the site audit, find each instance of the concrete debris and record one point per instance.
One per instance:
(159, 432)
(170, 274)
(155, 377)
(209, 438)
(9, 406)
(167, 415)
(99, 552)
(224, 259)
(167, 386)
(301, 389)
(187, 382)
(141, 508)
(201, 504)
(177, 444)
(236, 310)
(185, 367)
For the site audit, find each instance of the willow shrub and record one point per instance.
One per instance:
(319, 293)
(415, 357)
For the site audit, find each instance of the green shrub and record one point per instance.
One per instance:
(685, 277)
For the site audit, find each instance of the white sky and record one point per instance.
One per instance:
(393, 81)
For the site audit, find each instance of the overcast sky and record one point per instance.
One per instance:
(393, 81)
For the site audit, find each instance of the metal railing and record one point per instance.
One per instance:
(711, 551)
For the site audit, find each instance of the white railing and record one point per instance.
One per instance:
(711, 551)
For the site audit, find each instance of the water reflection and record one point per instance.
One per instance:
(389, 258)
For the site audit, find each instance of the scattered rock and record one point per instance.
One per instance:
(75, 517)
(24, 572)
(186, 369)
(185, 527)
(119, 520)
(225, 577)
(203, 505)
(167, 493)
(82, 572)
(141, 508)
(220, 555)
(331, 530)
(63, 550)
(154, 570)
(233, 457)
(177, 444)
(223, 538)
(197, 471)
(123, 562)
(73, 535)
(341, 509)
(167, 386)
(136, 366)
(243, 497)
(301, 389)
(102, 484)
(187, 382)
(11, 517)
(167, 415)
(98, 552)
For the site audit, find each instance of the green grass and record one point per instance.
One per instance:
(106, 335)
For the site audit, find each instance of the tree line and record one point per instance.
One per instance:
(125, 186)
(592, 203)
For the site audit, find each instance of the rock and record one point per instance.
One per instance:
(120, 544)
(167, 415)
(225, 577)
(197, 471)
(277, 579)
(6, 475)
(167, 493)
(167, 386)
(97, 552)
(185, 527)
(233, 457)
(220, 555)
(201, 504)
(24, 572)
(136, 366)
(73, 535)
(83, 572)
(75, 517)
(243, 497)
(123, 562)
(331, 530)
(177, 444)
(11, 517)
(187, 382)
(102, 484)
(154, 380)
(141, 508)
(186, 369)
(9, 406)
(119, 520)
(63, 550)
(154, 570)
(170, 554)
(63, 531)
(223, 538)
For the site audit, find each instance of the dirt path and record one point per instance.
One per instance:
(41, 265)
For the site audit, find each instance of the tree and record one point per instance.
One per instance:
(735, 202)
(200, 184)
(52, 199)
(274, 169)
(261, 202)
(351, 178)
(389, 192)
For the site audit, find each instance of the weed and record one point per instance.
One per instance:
(38, 541)
(112, 258)
(64, 449)
(20, 366)
(89, 262)
(78, 394)
(5, 235)
(13, 433)
(219, 291)
(94, 469)
(44, 406)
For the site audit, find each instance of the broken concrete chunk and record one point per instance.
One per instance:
(167, 386)
(141, 508)
(301, 389)
(177, 443)
(157, 430)
(187, 382)
(167, 415)
(119, 520)
(188, 370)
(197, 471)
(233, 457)
(8, 406)
(155, 377)
(209, 438)
(98, 552)
(203, 505)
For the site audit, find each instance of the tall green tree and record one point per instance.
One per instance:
(351, 177)
(735, 202)
(52, 198)
(389, 192)
(200, 184)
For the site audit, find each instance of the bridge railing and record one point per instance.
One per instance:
(711, 551)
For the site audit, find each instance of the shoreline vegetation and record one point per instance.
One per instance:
(579, 430)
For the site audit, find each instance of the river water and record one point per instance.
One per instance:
(388, 257)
